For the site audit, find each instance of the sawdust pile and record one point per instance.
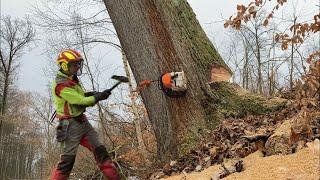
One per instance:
(305, 164)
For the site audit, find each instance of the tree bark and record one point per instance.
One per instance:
(260, 80)
(137, 123)
(245, 81)
(5, 89)
(15, 36)
(165, 36)
(292, 54)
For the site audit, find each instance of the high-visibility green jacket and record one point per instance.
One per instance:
(68, 96)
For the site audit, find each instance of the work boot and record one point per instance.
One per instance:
(109, 170)
(59, 175)
(64, 167)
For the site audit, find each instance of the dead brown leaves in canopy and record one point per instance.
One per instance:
(299, 30)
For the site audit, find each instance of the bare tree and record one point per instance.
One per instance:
(15, 35)
(20, 142)
(164, 36)
(137, 121)
(41, 110)
(293, 33)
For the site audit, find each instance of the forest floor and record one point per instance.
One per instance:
(283, 144)
(304, 164)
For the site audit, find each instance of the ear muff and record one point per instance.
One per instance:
(64, 66)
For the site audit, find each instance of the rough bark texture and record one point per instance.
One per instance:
(142, 148)
(165, 36)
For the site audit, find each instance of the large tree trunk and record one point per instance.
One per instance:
(165, 36)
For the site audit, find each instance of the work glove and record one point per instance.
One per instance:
(87, 94)
(102, 95)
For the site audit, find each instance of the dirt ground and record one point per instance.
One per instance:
(304, 165)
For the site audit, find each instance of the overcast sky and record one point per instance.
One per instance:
(209, 13)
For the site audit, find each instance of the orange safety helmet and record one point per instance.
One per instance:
(67, 56)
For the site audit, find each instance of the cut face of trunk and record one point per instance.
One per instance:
(219, 74)
(160, 37)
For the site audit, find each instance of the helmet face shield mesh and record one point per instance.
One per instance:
(75, 68)
(79, 72)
